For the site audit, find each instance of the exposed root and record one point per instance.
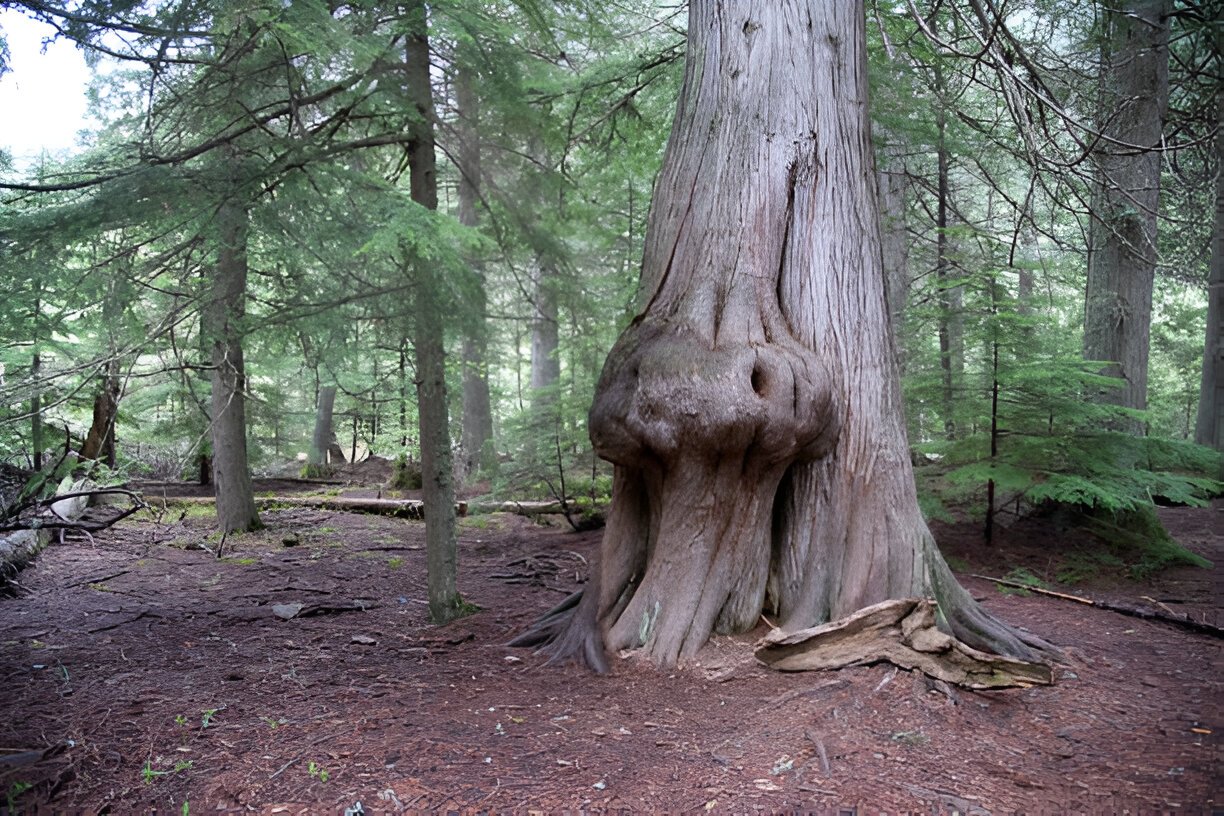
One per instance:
(963, 618)
(568, 632)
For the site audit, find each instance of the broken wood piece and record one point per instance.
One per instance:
(821, 752)
(901, 632)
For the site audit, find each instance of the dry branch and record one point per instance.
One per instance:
(1182, 621)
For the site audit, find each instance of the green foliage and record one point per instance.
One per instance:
(1138, 538)
(14, 791)
(406, 474)
(316, 771)
(1021, 575)
(1105, 470)
(148, 773)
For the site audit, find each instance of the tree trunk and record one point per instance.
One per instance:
(99, 443)
(222, 325)
(753, 407)
(951, 322)
(894, 237)
(477, 412)
(36, 423)
(1209, 429)
(322, 439)
(1122, 238)
(437, 475)
(545, 364)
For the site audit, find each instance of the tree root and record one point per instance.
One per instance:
(568, 632)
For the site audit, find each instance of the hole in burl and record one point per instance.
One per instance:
(758, 381)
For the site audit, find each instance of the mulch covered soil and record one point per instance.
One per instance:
(143, 674)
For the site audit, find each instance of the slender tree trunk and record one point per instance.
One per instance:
(437, 472)
(1122, 253)
(222, 325)
(403, 392)
(1209, 429)
(477, 411)
(753, 407)
(36, 421)
(321, 440)
(545, 363)
(99, 443)
(894, 235)
(951, 334)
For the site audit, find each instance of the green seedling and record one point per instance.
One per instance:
(15, 790)
(180, 719)
(395, 563)
(317, 771)
(148, 773)
(210, 714)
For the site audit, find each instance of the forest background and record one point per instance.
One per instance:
(239, 231)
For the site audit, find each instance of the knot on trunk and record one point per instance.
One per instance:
(666, 393)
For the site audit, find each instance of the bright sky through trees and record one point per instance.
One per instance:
(42, 97)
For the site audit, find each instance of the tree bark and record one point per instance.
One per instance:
(1122, 238)
(753, 407)
(222, 325)
(436, 468)
(1209, 428)
(477, 411)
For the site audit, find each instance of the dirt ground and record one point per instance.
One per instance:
(143, 674)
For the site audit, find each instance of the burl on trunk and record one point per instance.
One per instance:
(752, 409)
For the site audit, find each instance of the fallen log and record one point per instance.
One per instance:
(398, 508)
(901, 632)
(18, 547)
(1171, 618)
(518, 508)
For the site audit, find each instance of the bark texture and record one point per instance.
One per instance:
(1209, 429)
(438, 485)
(753, 407)
(1122, 257)
(222, 326)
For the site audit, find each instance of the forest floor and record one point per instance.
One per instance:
(142, 674)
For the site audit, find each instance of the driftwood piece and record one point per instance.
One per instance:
(901, 632)
(399, 508)
(1169, 617)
